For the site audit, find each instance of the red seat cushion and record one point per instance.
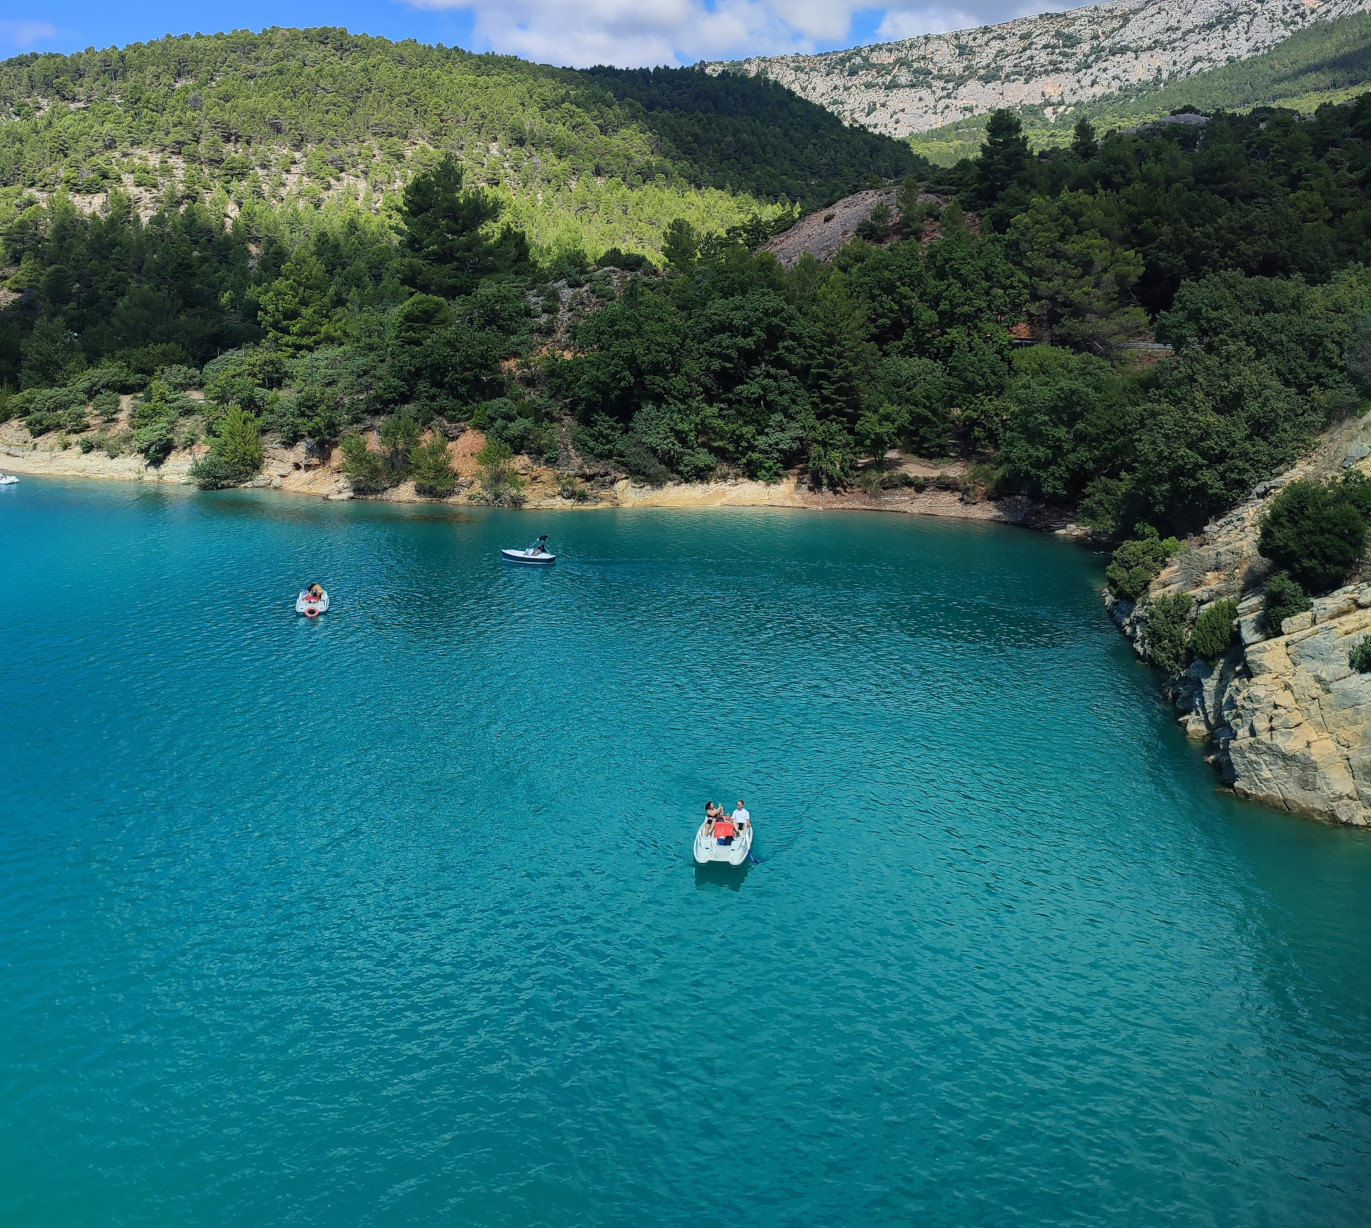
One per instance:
(723, 829)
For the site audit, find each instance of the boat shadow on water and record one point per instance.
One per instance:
(721, 874)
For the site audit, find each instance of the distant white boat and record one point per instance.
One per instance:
(709, 847)
(537, 554)
(311, 606)
(7, 479)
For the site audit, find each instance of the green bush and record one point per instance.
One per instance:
(1214, 633)
(1355, 489)
(235, 453)
(1283, 599)
(432, 469)
(1165, 628)
(155, 441)
(1139, 561)
(500, 481)
(106, 404)
(1317, 533)
(50, 409)
(400, 435)
(114, 443)
(211, 473)
(365, 469)
(179, 378)
(1360, 657)
(42, 421)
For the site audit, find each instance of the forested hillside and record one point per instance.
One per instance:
(1328, 62)
(587, 160)
(1240, 244)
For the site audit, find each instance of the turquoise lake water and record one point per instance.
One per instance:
(391, 918)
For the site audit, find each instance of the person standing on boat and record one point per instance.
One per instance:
(741, 818)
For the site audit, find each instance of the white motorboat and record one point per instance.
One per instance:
(7, 479)
(537, 554)
(311, 606)
(731, 850)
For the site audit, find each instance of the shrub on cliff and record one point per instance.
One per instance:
(501, 483)
(50, 409)
(1355, 488)
(1165, 629)
(432, 470)
(1214, 633)
(400, 435)
(1360, 657)
(235, 454)
(1138, 561)
(1317, 533)
(365, 469)
(1283, 599)
(155, 441)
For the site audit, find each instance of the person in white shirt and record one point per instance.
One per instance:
(741, 817)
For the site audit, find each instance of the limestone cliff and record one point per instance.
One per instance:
(1054, 60)
(1288, 719)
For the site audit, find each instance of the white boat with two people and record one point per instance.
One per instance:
(312, 602)
(536, 554)
(722, 839)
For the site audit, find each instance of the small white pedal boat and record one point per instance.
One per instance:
(537, 554)
(311, 606)
(710, 848)
(8, 479)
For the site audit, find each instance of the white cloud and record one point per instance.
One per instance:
(637, 32)
(910, 23)
(25, 33)
(642, 32)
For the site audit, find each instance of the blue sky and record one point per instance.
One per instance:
(574, 32)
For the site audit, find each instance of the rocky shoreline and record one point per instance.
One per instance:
(1287, 720)
(927, 490)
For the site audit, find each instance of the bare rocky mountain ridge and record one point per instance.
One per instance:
(1054, 60)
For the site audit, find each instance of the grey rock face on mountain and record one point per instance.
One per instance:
(1054, 60)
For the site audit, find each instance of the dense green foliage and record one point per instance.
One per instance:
(580, 159)
(1283, 598)
(1360, 657)
(1138, 561)
(1241, 246)
(1324, 62)
(235, 454)
(1213, 634)
(431, 468)
(1318, 532)
(747, 134)
(1165, 627)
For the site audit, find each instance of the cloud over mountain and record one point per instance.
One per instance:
(646, 32)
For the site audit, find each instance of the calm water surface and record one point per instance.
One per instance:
(391, 919)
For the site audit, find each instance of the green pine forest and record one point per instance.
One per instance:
(1242, 245)
(315, 118)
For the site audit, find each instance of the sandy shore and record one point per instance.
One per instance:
(299, 471)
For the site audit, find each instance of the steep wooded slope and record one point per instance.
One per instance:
(599, 158)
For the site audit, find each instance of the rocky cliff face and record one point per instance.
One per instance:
(1053, 60)
(1288, 719)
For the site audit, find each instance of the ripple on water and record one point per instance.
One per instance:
(390, 918)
